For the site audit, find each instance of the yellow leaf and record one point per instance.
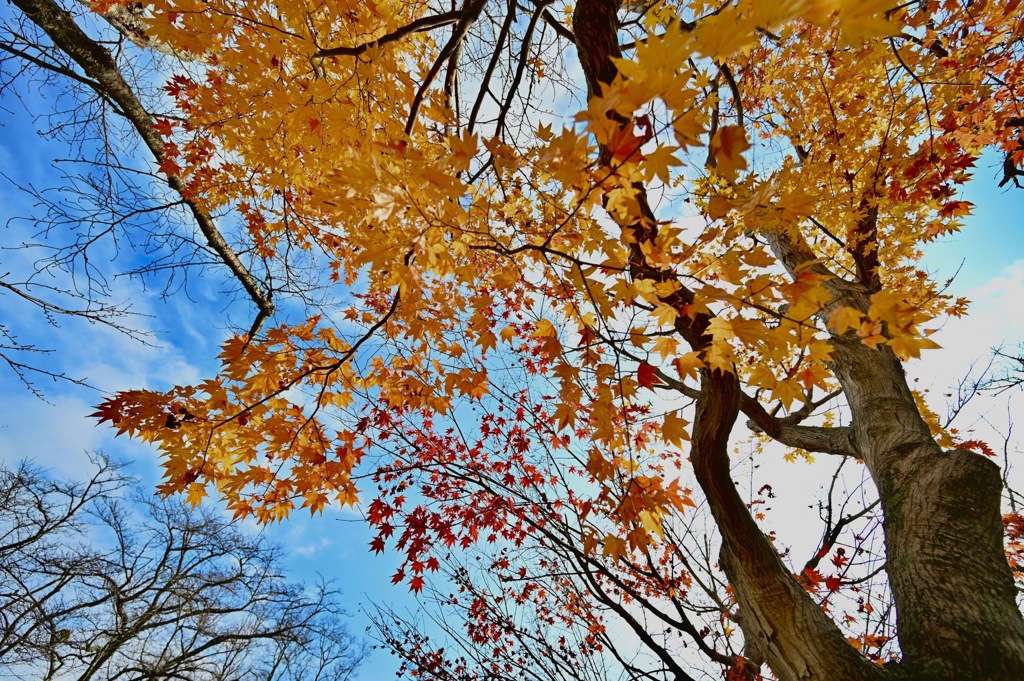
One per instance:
(727, 147)
(486, 340)
(651, 523)
(843, 319)
(665, 314)
(908, 347)
(545, 329)
(196, 493)
(871, 334)
(819, 11)
(614, 547)
(861, 20)
(658, 162)
(666, 346)
(758, 257)
(673, 429)
(787, 392)
(718, 207)
(688, 127)
(463, 149)
(798, 203)
(719, 356)
(724, 34)
(565, 416)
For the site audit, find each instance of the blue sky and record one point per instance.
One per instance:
(188, 327)
(994, 237)
(185, 330)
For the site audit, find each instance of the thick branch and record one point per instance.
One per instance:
(799, 640)
(559, 27)
(942, 523)
(863, 245)
(99, 65)
(127, 19)
(820, 440)
(421, 24)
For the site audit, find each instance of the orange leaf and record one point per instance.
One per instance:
(727, 146)
(625, 145)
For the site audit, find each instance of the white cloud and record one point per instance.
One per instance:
(312, 548)
(55, 435)
(995, 318)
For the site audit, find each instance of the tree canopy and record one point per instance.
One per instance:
(529, 268)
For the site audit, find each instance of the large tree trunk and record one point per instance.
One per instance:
(781, 622)
(785, 625)
(955, 598)
(956, 607)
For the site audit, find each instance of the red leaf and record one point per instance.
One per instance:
(168, 166)
(812, 576)
(976, 446)
(163, 127)
(955, 209)
(832, 583)
(743, 670)
(646, 376)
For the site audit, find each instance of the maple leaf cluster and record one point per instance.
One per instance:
(393, 208)
(522, 333)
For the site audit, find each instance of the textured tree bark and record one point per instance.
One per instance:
(954, 592)
(797, 639)
(955, 599)
(957, 615)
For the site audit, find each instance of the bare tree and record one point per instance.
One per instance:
(95, 587)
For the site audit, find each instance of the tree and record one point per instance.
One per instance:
(92, 587)
(575, 243)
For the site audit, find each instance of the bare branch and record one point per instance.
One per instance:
(99, 65)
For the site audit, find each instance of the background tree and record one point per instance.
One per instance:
(564, 280)
(92, 587)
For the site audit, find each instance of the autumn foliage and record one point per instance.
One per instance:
(557, 285)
